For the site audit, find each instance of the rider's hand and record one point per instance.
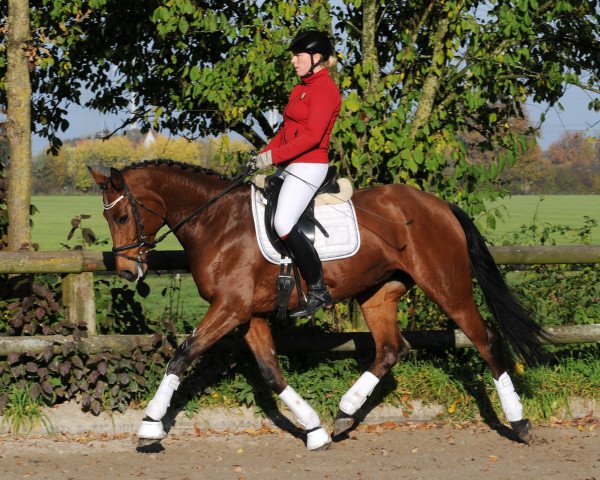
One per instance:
(263, 160)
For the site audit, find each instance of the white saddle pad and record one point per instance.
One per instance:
(338, 220)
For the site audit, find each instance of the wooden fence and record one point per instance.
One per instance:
(78, 267)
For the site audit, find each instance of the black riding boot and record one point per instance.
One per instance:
(304, 255)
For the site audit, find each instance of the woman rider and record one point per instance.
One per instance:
(300, 149)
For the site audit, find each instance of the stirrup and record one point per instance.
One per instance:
(316, 299)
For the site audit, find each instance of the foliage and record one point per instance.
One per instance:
(416, 76)
(108, 380)
(104, 381)
(459, 381)
(24, 410)
(29, 306)
(558, 294)
(572, 165)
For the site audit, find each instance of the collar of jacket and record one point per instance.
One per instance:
(311, 78)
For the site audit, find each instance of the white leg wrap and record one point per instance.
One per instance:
(157, 408)
(151, 431)
(317, 438)
(354, 398)
(508, 398)
(300, 408)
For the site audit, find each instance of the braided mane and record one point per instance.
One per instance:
(172, 163)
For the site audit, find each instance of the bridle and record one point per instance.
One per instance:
(142, 239)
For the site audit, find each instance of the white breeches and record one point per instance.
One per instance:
(301, 181)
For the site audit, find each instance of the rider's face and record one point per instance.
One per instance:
(301, 62)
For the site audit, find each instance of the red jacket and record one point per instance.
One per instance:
(308, 119)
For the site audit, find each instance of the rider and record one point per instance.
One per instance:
(300, 149)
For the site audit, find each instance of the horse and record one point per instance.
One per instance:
(408, 237)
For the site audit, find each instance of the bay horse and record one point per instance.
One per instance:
(408, 237)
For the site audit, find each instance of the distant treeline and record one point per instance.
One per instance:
(68, 172)
(571, 165)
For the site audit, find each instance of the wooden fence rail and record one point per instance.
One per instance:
(78, 268)
(176, 260)
(289, 343)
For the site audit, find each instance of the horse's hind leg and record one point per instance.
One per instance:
(379, 307)
(458, 303)
(259, 339)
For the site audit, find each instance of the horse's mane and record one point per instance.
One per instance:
(173, 163)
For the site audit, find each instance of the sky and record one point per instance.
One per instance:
(574, 117)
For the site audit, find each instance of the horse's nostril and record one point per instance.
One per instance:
(127, 275)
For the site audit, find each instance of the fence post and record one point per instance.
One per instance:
(79, 300)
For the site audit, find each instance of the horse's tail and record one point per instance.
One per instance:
(513, 322)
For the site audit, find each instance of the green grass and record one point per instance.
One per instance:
(459, 381)
(53, 222)
(24, 411)
(551, 210)
(185, 307)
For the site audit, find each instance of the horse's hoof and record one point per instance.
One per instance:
(317, 440)
(151, 430)
(148, 444)
(522, 429)
(343, 422)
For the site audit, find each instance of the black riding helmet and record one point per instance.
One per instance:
(311, 42)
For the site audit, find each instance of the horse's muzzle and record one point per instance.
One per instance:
(133, 276)
(127, 275)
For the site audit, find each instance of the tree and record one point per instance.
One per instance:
(452, 67)
(572, 160)
(415, 75)
(3, 186)
(68, 169)
(18, 124)
(526, 170)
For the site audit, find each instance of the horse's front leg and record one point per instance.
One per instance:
(379, 308)
(219, 320)
(259, 339)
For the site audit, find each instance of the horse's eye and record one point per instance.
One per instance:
(123, 219)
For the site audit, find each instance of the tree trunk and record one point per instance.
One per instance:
(432, 81)
(18, 126)
(370, 61)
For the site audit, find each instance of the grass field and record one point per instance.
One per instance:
(53, 221)
(564, 210)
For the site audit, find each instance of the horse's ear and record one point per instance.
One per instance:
(98, 177)
(116, 179)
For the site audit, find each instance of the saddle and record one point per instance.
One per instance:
(331, 191)
(307, 222)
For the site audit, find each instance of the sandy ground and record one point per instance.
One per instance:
(567, 450)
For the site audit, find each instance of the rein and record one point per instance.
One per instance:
(238, 180)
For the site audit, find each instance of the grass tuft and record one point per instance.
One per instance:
(24, 411)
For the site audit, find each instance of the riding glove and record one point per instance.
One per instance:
(263, 160)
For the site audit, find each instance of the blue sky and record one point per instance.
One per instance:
(574, 117)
